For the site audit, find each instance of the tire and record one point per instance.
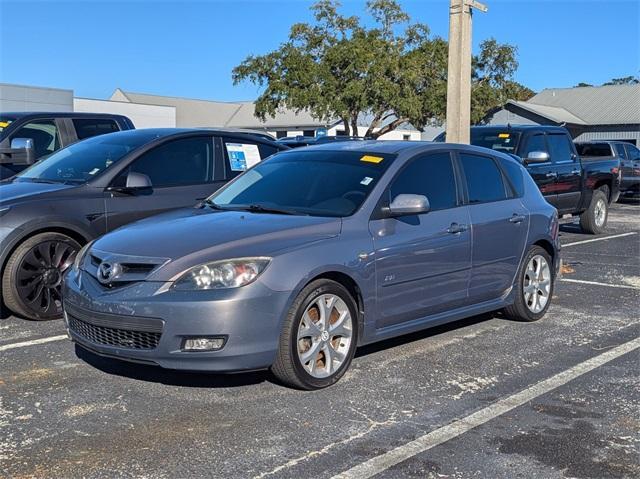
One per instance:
(594, 219)
(521, 309)
(305, 316)
(33, 275)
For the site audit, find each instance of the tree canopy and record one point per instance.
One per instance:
(393, 71)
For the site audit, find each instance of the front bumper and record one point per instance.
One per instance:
(140, 323)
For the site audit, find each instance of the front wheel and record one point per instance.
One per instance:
(533, 287)
(33, 276)
(594, 220)
(318, 338)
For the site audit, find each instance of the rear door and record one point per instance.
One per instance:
(567, 166)
(182, 173)
(422, 261)
(544, 174)
(499, 223)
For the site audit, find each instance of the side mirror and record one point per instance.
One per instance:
(138, 180)
(404, 205)
(20, 152)
(537, 157)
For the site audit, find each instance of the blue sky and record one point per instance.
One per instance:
(189, 48)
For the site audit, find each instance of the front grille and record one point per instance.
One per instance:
(123, 338)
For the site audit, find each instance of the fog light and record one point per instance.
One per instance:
(203, 344)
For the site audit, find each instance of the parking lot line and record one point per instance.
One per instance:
(33, 342)
(595, 283)
(383, 462)
(622, 235)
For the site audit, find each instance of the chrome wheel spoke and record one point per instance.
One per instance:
(536, 287)
(311, 354)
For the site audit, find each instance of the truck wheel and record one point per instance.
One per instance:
(318, 338)
(594, 220)
(533, 287)
(33, 275)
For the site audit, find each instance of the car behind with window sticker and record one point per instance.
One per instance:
(314, 252)
(48, 211)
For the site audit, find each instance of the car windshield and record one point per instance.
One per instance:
(505, 141)
(80, 162)
(316, 183)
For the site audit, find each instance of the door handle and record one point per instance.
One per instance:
(516, 218)
(551, 174)
(456, 228)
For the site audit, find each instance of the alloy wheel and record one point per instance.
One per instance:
(600, 213)
(324, 335)
(537, 284)
(39, 276)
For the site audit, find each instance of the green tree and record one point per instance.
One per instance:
(630, 80)
(394, 72)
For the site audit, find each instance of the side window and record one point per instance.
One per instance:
(88, 127)
(535, 143)
(266, 150)
(241, 154)
(559, 148)
(431, 176)
(633, 153)
(484, 179)
(45, 136)
(179, 162)
(514, 172)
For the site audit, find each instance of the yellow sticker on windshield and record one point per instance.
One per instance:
(371, 159)
(4, 124)
(504, 135)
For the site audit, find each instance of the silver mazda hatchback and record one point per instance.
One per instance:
(314, 252)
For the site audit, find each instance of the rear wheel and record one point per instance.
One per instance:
(319, 337)
(32, 278)
(594, 220)
(533, 288)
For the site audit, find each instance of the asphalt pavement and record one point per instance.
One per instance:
(482, 397)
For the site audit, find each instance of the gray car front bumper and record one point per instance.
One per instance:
(138, 323)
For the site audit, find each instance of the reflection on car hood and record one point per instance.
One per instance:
(189, 237)
(17, 190)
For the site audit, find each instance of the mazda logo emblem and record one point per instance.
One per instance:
(107, 272)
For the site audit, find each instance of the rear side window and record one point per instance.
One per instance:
(514, 173)
(484, 179)
(620, 151)
(634, 153)
(594, 149)
(180, 162)
(88, 127)
(560, 148)
(431, 176)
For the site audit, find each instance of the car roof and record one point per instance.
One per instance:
(152, 133)
(58, 114)
(516, 127)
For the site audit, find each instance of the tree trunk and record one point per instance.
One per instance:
(374, 123)
(354, 124)
(345, 122)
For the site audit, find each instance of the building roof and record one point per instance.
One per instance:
(603, 105)
(199, 113)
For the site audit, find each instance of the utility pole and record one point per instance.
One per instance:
(459, 73)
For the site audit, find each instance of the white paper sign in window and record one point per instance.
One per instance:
(242, 155)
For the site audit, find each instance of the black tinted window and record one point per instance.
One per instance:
(506, 141)
(514, 172)
(179, 162)
(431, 176)
(484, 180)
(560, 148)
(266, 150)
(535, 143)
(88, 127)
(44, 134)
(594, 149)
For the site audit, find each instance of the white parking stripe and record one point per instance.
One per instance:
(33, 342)
(435, 438)
(595, 283)
(622, 235)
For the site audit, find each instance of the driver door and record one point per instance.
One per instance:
(423, 261)
(181, 173)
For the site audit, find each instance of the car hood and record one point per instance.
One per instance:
(14, 191)
(189, 237)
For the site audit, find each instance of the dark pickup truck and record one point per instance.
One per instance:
(628, 155)
(574, 185)
(27, 137)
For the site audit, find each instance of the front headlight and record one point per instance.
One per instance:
(80, 256)
(232, 273)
